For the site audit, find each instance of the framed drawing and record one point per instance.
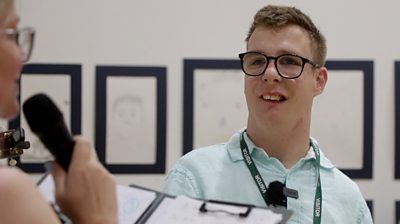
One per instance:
(62, 83)
(131, 118)
(214, 103)
(215, 107)
(342, 119)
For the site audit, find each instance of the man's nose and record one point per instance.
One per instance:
(271, 73)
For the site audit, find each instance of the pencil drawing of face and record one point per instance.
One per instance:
(127, 114)
(130, 137)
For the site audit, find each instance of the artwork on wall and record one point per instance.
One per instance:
(215, 107)
(62, 83)
(214, 102)
(342, 119)
(131, 118)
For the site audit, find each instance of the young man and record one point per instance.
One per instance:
(284, 71)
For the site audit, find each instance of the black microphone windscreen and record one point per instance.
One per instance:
(47, 122)
(41, 113)
(275, 193)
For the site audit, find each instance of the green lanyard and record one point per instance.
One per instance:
(263, 188)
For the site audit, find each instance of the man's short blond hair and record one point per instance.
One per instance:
(279, 16)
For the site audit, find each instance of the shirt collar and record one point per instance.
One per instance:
(235, 152)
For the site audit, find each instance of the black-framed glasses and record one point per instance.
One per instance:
(24, 38)
(289, 66)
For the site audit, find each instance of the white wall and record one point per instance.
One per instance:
(163, 33)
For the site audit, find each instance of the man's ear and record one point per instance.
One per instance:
(320, 80)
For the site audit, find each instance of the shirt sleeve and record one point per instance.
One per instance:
(364, 214)
(180, 181)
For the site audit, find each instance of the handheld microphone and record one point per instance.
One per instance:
(47, 122)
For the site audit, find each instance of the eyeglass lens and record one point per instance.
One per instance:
(25, 41)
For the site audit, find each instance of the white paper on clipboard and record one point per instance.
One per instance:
(132, 202)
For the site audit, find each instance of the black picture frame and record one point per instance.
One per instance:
(397, 119)
(74, 72)
(397, 207)
(367, 67)
(159, 73)
(370, 204)
(190, 65)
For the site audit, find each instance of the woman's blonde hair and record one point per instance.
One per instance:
(5, 7)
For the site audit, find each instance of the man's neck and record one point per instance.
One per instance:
(286, 145)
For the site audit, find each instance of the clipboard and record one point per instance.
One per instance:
(140, 205)
(169, 209)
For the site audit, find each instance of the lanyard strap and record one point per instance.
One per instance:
(253, 170)
(318, 190)
(261, 184)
